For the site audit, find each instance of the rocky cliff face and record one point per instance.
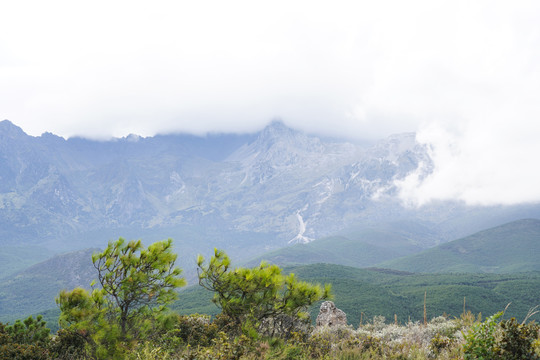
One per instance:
(286, 184)
(279, 180)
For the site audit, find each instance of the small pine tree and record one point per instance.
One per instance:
(136, 286)
(258, 297)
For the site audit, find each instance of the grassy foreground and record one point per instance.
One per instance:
(438, 339)
(198, 337)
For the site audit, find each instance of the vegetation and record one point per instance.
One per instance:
(28, 339)
(34, 289)
(365, 293)
(136, 285)
(507, 340)
(487, 251)
(199, 337)
(260, 297)
(368, 291)
(261, 313)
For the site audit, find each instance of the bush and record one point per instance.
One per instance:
(480, 340)
(507, 340)
(440, 342)
(225, 348)
(29, 331)
(193, 330)
(68, 344)
(23, 352)
(25, 340)
(517, 341)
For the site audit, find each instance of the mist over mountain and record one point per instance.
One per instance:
(245, 193)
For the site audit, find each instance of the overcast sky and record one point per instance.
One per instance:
(464, 75)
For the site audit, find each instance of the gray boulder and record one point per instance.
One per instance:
(330, 315)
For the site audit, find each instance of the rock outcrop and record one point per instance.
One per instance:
(330, 315)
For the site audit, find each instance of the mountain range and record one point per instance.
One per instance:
(263, 190)
(279, 195)
(245, 193)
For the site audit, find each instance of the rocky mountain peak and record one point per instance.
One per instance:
(276, 132)
(276, 143)
(10, 130)
(51, 139)
(276, 127)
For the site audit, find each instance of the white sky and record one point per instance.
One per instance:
(465, 75)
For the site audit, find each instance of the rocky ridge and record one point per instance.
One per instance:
(276, 187)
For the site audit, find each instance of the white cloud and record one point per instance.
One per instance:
(485, 146)
(344, 68)
(485, 163)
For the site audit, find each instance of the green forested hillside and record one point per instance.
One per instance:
(28, 291)
(34, 289)
(509, 248)
(369, 292)
(382, 292)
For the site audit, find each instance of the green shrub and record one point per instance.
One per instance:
(194, 330)
(480, 340)
(507, 340)
(68, 344)
(23, 352)
(440, 342)
(517, 340)
(29, 331)
(25, 340)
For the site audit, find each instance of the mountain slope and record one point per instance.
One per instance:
(17, 258)
(35, 288)
(333, 250)
(508, 248)
(371, 292)
(246, 193)
(278, 181)
(358, 248)
(359, 292)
